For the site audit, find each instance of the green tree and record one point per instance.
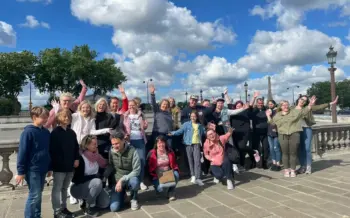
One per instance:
(15, 69)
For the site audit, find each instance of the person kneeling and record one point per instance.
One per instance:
(214, 151)
(163, 168)
(125, 162)
(86, 182)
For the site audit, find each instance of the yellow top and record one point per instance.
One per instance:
(195, 135)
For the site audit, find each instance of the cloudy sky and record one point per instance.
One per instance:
(190, 45)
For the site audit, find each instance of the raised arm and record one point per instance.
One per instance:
(228, 100)
(82, 93)
(252, 101)
(152, 90)
(125, 102)
(51, 120)
(235, 111)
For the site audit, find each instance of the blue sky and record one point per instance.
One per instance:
(190, 45)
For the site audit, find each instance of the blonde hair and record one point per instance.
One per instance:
(67, 94)
(99, 101)
(280, 105)
(85, 142)
(92, 110)
(61, 113)
(38, 112)
(137, 101)
(134, 101)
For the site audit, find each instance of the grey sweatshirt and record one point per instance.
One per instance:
(163, 120)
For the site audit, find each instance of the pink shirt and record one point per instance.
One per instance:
(213, 151)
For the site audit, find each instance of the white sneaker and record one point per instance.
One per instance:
(193, 179)
(199, 182)
(230, 185)
(216, 181)
(235, 168)
(143, 186)
(73, 200)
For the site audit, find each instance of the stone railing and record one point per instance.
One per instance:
(6, 149)
(330, 139)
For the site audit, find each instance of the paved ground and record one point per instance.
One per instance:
(259, 193)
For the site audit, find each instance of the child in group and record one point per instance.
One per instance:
(33, 160)
(64, 152)
(193, 131)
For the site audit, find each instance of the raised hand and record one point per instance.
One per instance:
(82, 83)
(226, 91)
(256, 94)
(151, 88)
(55, 105)
(312, 100)
(268, 113)
(121, 89)
(335, 101)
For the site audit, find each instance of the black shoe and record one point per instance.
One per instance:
(60, 215)
(91, 212)
(278, 168)
(66, 212)
(273, 167)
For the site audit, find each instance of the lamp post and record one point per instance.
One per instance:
(201, 91)
(65, 82)
(292, 88)
(332, 57)
(246, 91)
(186, 96)
(30, 96)
(147, 82)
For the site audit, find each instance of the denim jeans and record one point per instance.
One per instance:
(159, 187)
(275, 148)
(36, 182)
(61, 182)
(305, 157)
(223, 171)
(140, 147)
(117, 198)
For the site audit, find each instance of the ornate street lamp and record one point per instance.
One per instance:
(246, 91)
(292, 88)
(201, 91)
(147, 82)
(65, 82)
(332, 57)
(186, 96)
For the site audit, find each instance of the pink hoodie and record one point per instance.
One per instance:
(213, 151)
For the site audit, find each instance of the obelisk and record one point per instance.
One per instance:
(269, 92)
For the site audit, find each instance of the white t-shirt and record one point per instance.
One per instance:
(90, 167)
(135, 127)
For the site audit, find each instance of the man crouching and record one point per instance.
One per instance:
(126, 165)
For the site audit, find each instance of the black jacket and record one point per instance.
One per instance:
(104, 120)
(64, 149)
(241, 121)
(79, 174)
(259, 119)
(203, 112)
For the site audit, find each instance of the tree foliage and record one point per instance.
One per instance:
(15, 70)
(57, 66)
(323, 92)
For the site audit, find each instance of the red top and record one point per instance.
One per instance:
(125, 106)
(152, 163)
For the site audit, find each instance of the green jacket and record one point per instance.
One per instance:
(309, 117)
(126, 164)
(289, 123)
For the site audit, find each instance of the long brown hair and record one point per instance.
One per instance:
(163, 139)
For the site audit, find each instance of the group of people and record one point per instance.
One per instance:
(97, 154)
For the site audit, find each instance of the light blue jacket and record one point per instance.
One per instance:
(187, 131)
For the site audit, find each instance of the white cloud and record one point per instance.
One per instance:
(271, 51)
(204, 71)
(7, 35)
(290, 13)
(291, 76)
(32, 22)
(44, 1)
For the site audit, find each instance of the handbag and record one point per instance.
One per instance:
(166, 177)
(231, 152)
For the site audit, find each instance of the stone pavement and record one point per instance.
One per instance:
(258, 193)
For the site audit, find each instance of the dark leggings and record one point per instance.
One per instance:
(240, 140)
(261, 143)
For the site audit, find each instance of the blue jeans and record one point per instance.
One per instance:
(275, 148)
(117, 198)
(223, 171)
(158, 187)
(140, 147)
(36, 182)
(305, 157)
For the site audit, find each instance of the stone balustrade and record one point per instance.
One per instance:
(327, 140)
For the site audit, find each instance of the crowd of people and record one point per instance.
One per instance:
(97, 154)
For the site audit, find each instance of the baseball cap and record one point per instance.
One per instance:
(195, 97)
(220, 99)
